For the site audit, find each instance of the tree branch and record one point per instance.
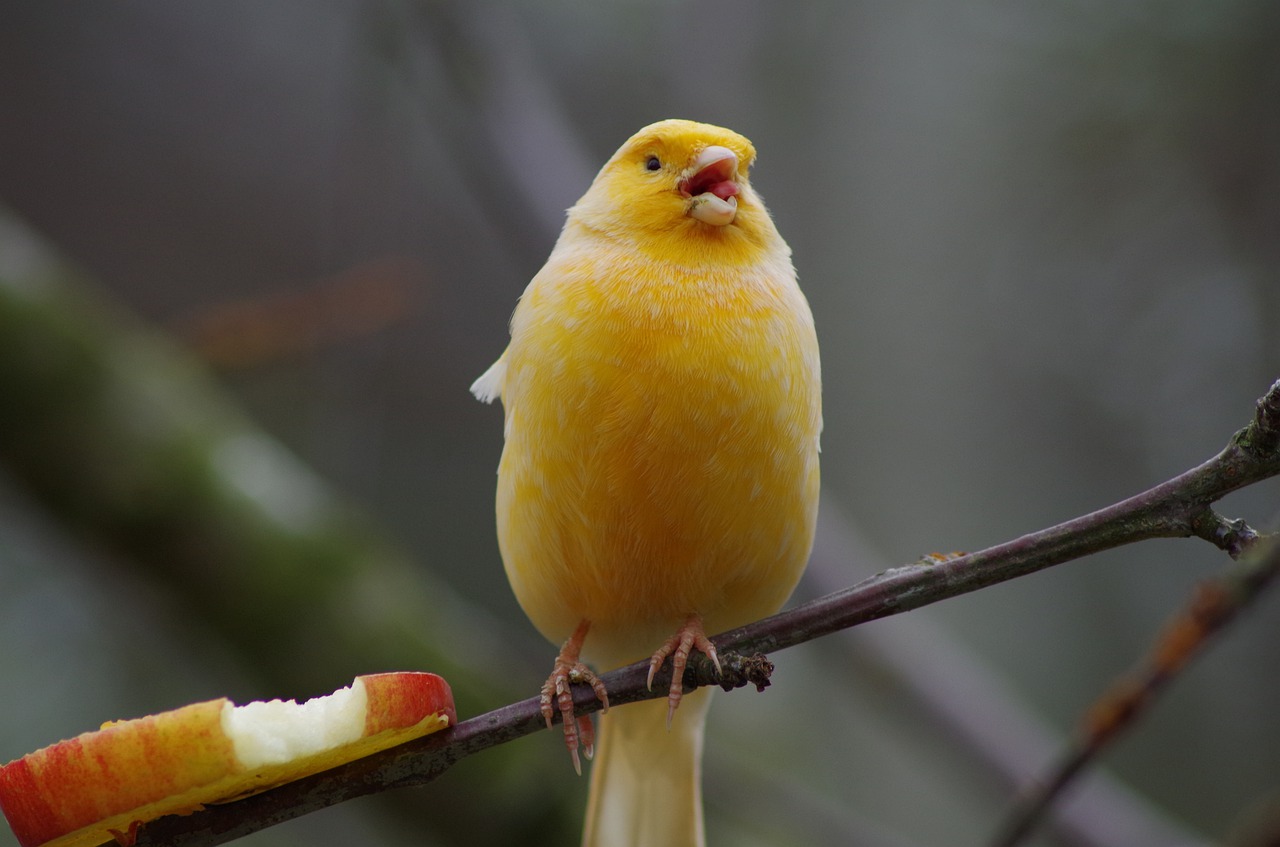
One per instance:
(1215, 604)
(128, 439)
(1178, 508)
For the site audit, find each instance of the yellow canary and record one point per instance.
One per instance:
(659, 480)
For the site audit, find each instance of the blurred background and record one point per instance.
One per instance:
(253, 254)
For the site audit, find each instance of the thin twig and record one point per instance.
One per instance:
(1170, 510)
(1216, 603)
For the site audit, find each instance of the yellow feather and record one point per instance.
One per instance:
(662, 400)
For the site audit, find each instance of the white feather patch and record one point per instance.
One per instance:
(489, 386)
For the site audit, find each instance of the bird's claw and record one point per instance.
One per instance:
(678, 647)
(557, 696)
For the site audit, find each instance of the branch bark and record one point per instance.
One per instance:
(1215, 604)
(1179, 508)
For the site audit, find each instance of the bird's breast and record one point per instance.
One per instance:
(661, 453)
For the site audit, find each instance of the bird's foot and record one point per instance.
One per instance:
(678, 647)
(557, 695)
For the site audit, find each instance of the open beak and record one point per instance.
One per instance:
(712, 186)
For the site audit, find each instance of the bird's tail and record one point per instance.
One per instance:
(646, 783)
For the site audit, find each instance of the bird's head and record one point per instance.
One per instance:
(678, 181)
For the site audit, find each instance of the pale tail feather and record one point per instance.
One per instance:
(646, 783)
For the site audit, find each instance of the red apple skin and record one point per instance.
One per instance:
(402, 699)
(124, 766)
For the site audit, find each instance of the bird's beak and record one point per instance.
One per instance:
(711, 184)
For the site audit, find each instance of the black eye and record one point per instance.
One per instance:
(652, 164)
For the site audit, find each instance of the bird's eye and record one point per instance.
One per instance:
(652, 164)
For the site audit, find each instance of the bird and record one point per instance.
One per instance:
(659, 476)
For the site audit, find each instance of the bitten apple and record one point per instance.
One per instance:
(102, 784)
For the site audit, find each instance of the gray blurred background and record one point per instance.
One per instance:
(1042, 245)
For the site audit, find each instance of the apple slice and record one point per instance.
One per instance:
(104, 784)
